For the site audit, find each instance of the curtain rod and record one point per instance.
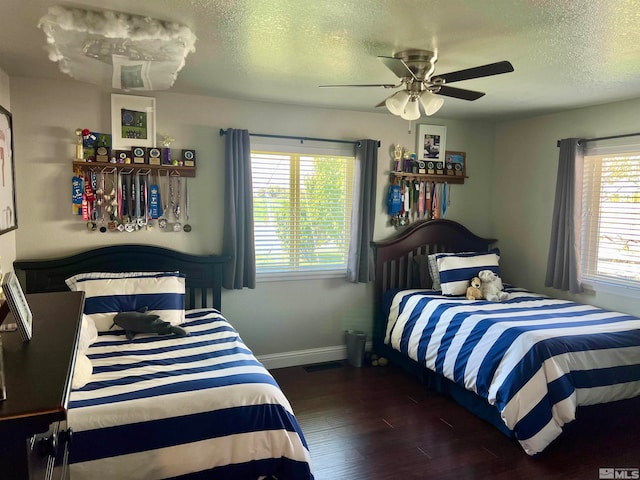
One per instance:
(607, 138)
(302, 139)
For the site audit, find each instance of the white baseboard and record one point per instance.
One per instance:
(305, 357)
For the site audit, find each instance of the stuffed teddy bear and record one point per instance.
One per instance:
(491, 286)
(473, 290)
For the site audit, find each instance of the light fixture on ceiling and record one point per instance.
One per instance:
(406, 103)
(128, 52)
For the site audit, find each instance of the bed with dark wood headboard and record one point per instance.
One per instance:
(394, 265)
(524, 364)
(191, 401)
(203, 273)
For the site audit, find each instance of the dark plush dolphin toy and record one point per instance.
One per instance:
(142, 322)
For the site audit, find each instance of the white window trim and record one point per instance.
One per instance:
(294, 276)
(593, 284)
(312, 148)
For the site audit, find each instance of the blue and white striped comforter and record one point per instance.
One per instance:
(535, 358)
(200, 406)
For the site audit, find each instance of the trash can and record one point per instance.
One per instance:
(355, 347)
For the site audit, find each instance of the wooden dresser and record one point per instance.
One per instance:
(33, 433)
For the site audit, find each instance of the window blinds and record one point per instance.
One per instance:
(611, 216)
(302, 210)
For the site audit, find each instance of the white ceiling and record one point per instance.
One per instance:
(566, 53)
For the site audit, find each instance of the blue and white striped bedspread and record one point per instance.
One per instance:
(535, 358)
(194, 407)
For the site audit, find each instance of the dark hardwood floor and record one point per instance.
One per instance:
(379, 423)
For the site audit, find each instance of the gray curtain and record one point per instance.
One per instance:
(238, 240)
(360, 267)
(563, 264)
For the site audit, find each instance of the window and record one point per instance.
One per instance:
(610, 253)
(302, 199)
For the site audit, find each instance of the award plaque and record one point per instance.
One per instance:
(189, 158)
(102, 154)
(422, 168)
(122, 156)
(154, 156)
(458, 163)
(439, 168)
(449, 166)
(431, 167)
(139, 154)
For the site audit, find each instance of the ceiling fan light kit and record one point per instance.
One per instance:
(415, 69)
(397, 102)
(430, 102)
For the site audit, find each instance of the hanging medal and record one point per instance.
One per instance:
(77, 196)
(154, 202)
(187, 227)
(140, 221)
(162, 221)
(444, 199)
(175, 202)
(129, 225)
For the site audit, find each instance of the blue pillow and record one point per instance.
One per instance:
(458, 269)
(107, 294)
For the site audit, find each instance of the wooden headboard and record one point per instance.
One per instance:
(203, 272)
(394, 257)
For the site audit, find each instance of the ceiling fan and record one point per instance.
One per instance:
(415, 70)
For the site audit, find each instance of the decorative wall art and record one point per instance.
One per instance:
(455, 163)
(116, 49)
(8, 215)
(133, 121)
(431, 143)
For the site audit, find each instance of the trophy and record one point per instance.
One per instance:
(79, 147)
(166, 151)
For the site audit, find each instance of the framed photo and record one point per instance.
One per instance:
(431, 143)
(455, 163)
(8, 214)
(133, 121)
(17, 304)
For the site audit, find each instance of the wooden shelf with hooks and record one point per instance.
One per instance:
(458, 179)
(142, 168)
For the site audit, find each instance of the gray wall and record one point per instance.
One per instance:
(526, 159)
(276, 317)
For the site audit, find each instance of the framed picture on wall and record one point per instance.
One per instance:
(455, 163)
(133, 121)
(431, 143)
(8, 214)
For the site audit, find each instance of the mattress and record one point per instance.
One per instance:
(199, 406)
(535, 358)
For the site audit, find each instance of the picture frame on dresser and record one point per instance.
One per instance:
(18, 305)
(8, 214)
(133, 121)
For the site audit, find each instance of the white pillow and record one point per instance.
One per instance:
(82, 372)
(108, 294)
(88, 334)
(458, 269)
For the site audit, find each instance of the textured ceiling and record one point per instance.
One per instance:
(566, 54)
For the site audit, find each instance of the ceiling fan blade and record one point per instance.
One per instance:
(397, 66)
(384, 85)
(460, 93)
(476, 72)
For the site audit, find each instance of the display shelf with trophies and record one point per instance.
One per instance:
(94, 153)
